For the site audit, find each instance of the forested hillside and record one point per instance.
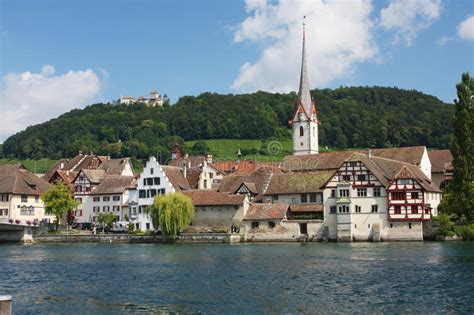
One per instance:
(350, 117)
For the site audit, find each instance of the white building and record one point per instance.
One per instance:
(154, 100)
(198, 170)
(153, 181)
(20, 192)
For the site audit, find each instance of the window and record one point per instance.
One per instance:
(398, 210)
(409, 225)
(361, 192)
(162, 191)
(37, 199)
(106, 209)
(271, 224)
(4, 197)
(96, 209)
(314, 131)
(377, 192)
(301, 131)
(344, 193)
(116, 208)
(414, 209)
(346, 178)
(3, 212)
(148, 226)
(427, 211)
(78, 213)
(96, 199)
(414, 195)
(333, 193)
(205, 184)
(404, 181)
(151, 171)
(142, 193)
(352, 164)
(156, 180)
(362, 178)
(358, 209)
(391, 225)
(152, 193)
(116, 198)
(275, 197)
(398, 195)
(343, 209)
(79, 200)
(375, 208)
(304, 198)
(332, 209)
(24, 198)
(149, 181)
(254, 225)
(312, 198)
(144, 182)
(107, 198)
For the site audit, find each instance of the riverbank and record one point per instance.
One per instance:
(130, 238)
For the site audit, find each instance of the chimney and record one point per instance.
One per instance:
(369, 153)
(61, 166)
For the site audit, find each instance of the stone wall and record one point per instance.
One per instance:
(126, 238)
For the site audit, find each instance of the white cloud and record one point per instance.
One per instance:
(466, 28)
(444, 40)
(28, 98)
(338, 36)
(407, 17)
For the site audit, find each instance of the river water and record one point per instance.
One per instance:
(293, 278)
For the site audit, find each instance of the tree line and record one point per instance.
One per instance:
(350, 117)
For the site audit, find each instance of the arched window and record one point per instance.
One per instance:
(301, 131)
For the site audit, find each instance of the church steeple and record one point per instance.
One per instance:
(304, 119)
(304, 97)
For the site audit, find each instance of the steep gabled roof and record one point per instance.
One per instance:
(176, 177)
(211, 197)
(56, 166)
(267, 211)
(386, 170)
(439, 159)
(113, 184)
(15, 179)
(114, 166)
(94, 176)
(231, 183)
(296, 183)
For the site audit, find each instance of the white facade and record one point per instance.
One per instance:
(425, 164)
(152, 182)
(305, 135)
(22, 209)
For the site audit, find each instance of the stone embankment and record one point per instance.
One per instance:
(127, 238)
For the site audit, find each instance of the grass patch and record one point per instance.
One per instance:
(40, 166)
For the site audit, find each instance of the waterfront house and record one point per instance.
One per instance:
(20, 192)
(155, 180)
(217, 211)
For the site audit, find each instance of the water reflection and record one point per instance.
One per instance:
(244, 278)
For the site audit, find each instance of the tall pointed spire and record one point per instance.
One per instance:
(304, 97)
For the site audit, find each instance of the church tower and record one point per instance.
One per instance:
(304, 119)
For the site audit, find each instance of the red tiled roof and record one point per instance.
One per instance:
(176, 177)
(266, 211)
(211, 197)
(306, 207)
(439, 159)
(15, 179)
(231, 183)
(113, 184)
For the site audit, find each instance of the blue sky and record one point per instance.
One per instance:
(58, 55)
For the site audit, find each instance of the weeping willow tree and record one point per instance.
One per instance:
(171, 212)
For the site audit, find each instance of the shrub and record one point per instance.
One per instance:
(445, 225)
(467, 232)
(131, 227)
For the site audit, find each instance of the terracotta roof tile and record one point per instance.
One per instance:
(295, 183)
(114, 166)
(267, 211)
(113, 185)
(15, 179)
(439, 159)
(211, 197)
(176, 177)
(231, 183)
(307, 208)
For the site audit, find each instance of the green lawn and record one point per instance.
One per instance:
(225, 149)
(36, 166)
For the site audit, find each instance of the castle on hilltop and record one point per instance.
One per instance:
(154, 100)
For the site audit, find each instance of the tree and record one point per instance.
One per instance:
(107, 219)
(460, 191)
(200, 148)
(58, 201)
(171, 212)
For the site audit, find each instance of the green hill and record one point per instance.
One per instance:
(350, 117)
